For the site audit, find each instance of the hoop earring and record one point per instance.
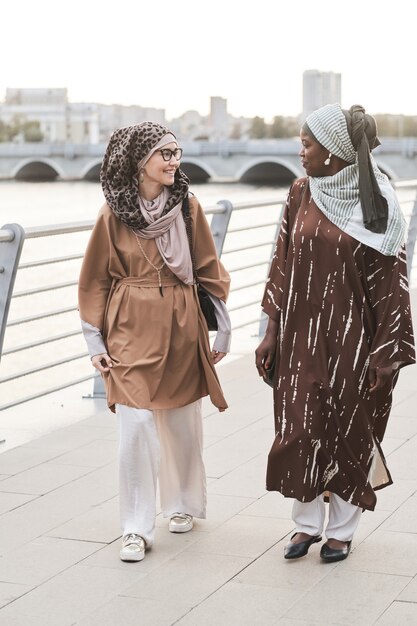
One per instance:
(327, 161)
(141, 176)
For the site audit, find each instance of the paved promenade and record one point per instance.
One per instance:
(59, 532)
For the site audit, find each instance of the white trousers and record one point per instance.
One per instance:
(165, 444)
(343, 517)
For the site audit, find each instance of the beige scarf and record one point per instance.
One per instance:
(169, 233)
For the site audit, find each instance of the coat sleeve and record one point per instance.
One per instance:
(210, 270)
(95, 279)
(393, 341)
(274, 288)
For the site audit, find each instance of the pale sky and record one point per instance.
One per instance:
(175, 54)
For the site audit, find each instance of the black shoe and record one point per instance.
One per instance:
(330, 555)
(295, 550)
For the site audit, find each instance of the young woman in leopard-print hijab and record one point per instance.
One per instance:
(146, 333)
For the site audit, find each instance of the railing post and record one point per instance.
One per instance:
(98, 388)
(220, 223)
(263, 322)
(411, 238)
(11, 244)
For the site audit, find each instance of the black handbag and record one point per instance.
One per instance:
(206, 304)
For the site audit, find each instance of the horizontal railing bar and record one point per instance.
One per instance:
(242, 306)
(247, 267)
(6, 235)
(255, 245)
(241, 228)
(41, 342)
(254, 321)
(46, 392)
(246, 286)
(41, 316)
(33, 232)
(30, 292)
(405, 183)
(59, 259)
(242, 206)
(40, 368)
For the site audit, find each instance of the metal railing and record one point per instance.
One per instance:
(43, 334)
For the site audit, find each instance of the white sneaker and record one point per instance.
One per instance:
(133, 548)
(180, 523)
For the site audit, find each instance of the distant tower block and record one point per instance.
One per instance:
(320, 88)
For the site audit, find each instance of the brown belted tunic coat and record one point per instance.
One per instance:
(159, 344)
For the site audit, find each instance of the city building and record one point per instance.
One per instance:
(218, 118)
(320, 88)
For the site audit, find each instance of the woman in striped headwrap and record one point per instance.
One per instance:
(340, 329)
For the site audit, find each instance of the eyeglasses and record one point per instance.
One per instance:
(167, 154)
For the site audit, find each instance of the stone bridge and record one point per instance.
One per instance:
(274, 161)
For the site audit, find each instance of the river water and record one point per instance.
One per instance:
(35, 204)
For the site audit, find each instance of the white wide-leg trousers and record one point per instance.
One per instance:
(343, 517)
(165, 444)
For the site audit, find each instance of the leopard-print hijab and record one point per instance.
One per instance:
(119, 172)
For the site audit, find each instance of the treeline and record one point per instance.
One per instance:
(20, 130)
(283, 127)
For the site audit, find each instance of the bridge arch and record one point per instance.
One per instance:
(196, 170)
(91, 171)
(268, 170)
(37, 169)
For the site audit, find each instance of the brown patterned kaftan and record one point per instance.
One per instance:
(342, 307)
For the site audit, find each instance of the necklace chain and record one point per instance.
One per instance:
(157, 269)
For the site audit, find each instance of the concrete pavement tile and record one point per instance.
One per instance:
(219, 509)
(11, 591)
(242, 605)
(66, 439)
(166, 546)
(386, 553)
(9, 616)
(22, 458)
(392, 497)
(236, 449)
(248, 480)
(188, 576)
(10, 501)
(235, 418)
(125, 611)
(403, 613)
(74, 593)
(271, 504)
(102, 419)
(43, 478)
(94, 454)
(404, 518)
(101, 524)
(41, 515)
(401, 427)
(349, 597)
(406, 407)
(402, 462)
(371, 520)
(409, 593)
(243, 536)
(37, 561)
(272, 570)
(390, 444)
